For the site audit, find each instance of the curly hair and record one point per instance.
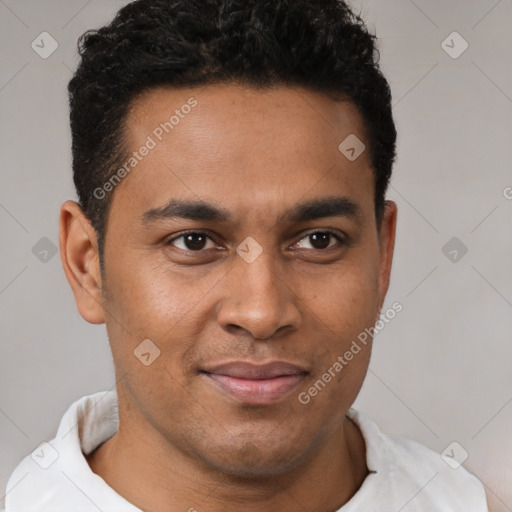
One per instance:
(318, 44)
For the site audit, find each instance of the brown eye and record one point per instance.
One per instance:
(193, 241)
(320, 240)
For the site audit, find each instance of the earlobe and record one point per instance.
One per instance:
(80, 259)
(387, 245)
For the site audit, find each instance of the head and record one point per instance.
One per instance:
(221, 217)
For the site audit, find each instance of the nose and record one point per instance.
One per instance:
(259, 299)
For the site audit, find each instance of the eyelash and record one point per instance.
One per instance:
(334, 234)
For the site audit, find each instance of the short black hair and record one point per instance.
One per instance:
(318, 44)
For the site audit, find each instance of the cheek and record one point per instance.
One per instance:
(151, 300)
(148, 302)
(344, 300)
(342, 330)
(334, 389)
(342, 306)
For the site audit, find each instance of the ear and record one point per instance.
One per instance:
(387, 245)
(80, 259)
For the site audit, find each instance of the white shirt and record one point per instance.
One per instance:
(405, 475)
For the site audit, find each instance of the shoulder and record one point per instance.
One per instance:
(56, 473)
(410, 468)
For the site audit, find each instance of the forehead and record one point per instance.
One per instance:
(228, 109)
(242, 144)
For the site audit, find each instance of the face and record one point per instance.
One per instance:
(244, 246)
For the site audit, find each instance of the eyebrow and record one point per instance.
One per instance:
(199, 210)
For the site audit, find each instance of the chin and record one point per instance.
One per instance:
(248, 457)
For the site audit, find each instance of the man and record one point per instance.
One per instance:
(231, 160)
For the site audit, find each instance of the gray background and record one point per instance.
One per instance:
(441, 370)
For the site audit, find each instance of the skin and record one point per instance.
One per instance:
(183, 443)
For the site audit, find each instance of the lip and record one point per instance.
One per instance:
(253, 383)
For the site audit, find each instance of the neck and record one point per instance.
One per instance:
(140, 465)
